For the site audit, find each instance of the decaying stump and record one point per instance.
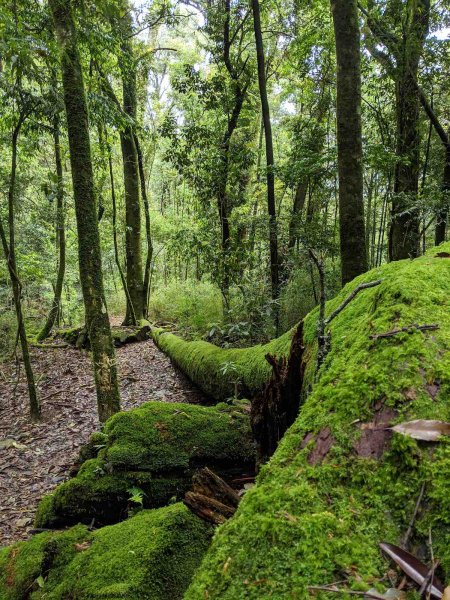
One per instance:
(211, 498)
(275, 409)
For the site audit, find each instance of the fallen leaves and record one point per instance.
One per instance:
(421, 429)
(413, 568)
(34, 458)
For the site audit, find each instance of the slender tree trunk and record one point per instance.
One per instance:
(442, 216)
(148, 233)
(133, 250)
(297, 209)
(351, 205)
(404, 234)
(10, 256)
(273, 225)
(60, 236)
(90, 262)
(116, 245)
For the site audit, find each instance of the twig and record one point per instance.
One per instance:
(408, 329)
(52, 395)
(413, 518)
(428, 581)
(359, 288)
(334, 590)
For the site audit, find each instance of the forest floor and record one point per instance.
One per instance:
(34, 458)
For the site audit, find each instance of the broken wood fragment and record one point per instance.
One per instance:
(207, 483)
(208, 509)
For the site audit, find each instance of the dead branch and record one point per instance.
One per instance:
(409, 329)
(359, 288)
(414, 517)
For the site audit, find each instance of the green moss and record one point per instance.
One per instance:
(217, 371)
(155, 447)
(311, 524)
(152, 555)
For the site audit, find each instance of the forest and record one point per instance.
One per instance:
(224, 299)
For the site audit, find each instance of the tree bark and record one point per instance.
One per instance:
(89, 253)
(133, 250)
(148, 232)
(270, 162)
(404, 234)
(351, 205)
(10, 256)
(442, 215)
(60, 236)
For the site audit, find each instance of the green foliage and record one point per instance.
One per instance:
(310, 524)
(192, 306)
(152, 555)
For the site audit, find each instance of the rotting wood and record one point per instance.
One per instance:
(275, 409)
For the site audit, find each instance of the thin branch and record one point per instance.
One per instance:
(409, 329)
(359, 288)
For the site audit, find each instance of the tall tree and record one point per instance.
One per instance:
(9, 249)
(90, 264)
(133, 250)
(60, 229)
(349, 137)
(270, 162)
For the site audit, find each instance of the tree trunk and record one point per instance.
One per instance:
(404, 234)
(89, 254)
(351, 205)
(442, 216)
(148, 233)
(10, 256)
(131, 172)
(60, 236)
(273, 226)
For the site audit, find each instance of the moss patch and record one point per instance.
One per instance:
(152, 555)
(319, 510)
(156, 448)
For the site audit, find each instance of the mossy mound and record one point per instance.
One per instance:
(152, 555)
(155, 448)
(340, 482)
(220, 372)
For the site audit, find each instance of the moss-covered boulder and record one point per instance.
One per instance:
(341, 482)
(219, 372)
(152, 555)
(155, 448)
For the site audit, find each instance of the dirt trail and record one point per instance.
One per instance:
(35, 458)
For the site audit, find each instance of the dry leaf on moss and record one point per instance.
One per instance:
(427, 431)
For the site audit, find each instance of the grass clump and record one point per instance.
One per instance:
(338, 486)
(152, 555)
(155, 448)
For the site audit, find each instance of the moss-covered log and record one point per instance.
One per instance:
(156, 449)
(78, 336)
(341, 482)
(221, 372)
(152, 555)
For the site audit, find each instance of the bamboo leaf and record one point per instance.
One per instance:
(413, 567)
(427, 431)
